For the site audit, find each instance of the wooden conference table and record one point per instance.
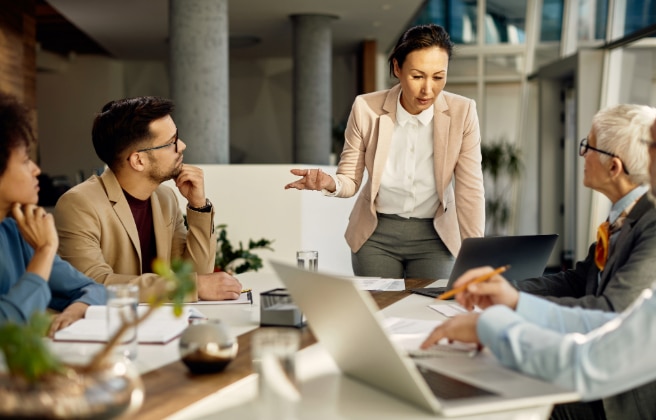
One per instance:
(172, 392)
(171, 387)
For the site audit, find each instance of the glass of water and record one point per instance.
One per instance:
(122, 302)
(273, 353)
(308, 260)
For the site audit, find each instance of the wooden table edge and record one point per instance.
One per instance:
(171, 388)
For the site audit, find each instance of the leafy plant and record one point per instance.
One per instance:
(502, 162)
(238, 260)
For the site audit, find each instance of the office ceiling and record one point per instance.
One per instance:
(138, 29)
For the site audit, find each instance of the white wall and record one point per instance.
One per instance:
(66, 104)
(251, 200)
(260, 106)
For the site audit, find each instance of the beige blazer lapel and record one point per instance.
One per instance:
(163, 227)
(121, 208)
(386, 123)
(441, 125)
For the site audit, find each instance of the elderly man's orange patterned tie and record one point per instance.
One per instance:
(604, 232)
(603, 242)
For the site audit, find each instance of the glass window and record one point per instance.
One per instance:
(592, 17)
(505, 22)
(552, 20)
(639, 14)
(458, 17)
(504, 65)
(638, 75)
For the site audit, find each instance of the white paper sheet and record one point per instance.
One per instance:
(378, 283)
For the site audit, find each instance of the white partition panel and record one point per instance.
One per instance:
(252, 201)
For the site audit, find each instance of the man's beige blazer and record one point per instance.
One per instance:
(457, 165)
(98, 235)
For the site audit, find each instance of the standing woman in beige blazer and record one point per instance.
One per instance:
(421, 148)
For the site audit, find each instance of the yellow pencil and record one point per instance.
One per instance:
(480, 279)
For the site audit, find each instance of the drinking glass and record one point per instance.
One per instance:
(308, 260)
(122, 302)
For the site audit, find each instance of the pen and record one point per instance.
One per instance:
(249, 295)
(480, 279)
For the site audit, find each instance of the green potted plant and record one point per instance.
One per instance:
(502, 165)
(238, 260)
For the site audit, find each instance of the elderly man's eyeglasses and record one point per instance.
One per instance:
(584, 147)
(174, 143)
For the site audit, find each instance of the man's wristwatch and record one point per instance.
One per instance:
(205, 209)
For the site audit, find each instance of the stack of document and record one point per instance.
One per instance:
(160, 327)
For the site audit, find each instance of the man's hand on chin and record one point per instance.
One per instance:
(218, 286)
(191, 183)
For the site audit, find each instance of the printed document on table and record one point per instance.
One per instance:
(449, 309)
(378, 283)
(409, 333)
(160, 327)
(243, 298)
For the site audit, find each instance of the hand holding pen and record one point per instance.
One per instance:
(484, 287)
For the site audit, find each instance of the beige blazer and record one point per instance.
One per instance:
(457, 165)
(98, 235)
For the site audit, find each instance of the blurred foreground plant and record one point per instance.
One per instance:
(26, 354)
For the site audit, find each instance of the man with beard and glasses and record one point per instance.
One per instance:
(605, 356)
(111, 227)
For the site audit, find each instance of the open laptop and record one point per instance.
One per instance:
(527, 256)
(346, 322)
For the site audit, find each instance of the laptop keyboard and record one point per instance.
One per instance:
(447, 388)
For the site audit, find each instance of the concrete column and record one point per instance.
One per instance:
(198, 63)
(312, 88)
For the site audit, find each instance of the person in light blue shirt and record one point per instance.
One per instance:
(599, 354)
(32, 276)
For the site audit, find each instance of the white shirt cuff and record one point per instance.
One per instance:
(338, 187)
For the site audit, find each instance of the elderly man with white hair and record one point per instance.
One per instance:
(623, 260)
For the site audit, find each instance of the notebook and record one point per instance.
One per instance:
(527, 256)
(160, 328)
(347, 323)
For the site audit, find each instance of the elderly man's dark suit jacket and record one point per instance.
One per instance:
(631, 268)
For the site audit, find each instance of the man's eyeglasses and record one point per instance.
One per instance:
(174, 143)
(584, 147)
